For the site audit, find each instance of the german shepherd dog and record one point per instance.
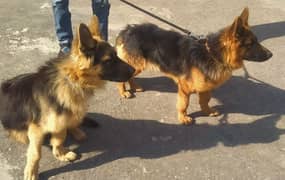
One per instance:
(54, 99)
(197, 66)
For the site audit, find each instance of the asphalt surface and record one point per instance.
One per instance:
(141, 138)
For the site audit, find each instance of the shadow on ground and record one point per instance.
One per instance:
(149, 139)
(269, 30)
(238, 95)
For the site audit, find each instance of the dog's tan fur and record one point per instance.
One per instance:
(193, 80)
(59, 104)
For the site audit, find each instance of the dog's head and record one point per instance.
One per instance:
(97, 59)
(241, 43)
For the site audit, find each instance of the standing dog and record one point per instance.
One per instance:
(196, 66)
(54, 99)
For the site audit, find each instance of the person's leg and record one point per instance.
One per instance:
(63, 26)
(101, 9)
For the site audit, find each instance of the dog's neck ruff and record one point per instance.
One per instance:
(208, 48)
(218, 61)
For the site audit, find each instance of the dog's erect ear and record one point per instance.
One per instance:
(94, 26)
(85, 38)
(240, 23)
(244, 16)
(237, 28)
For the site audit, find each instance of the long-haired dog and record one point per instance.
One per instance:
(54, 99)
(197, 66)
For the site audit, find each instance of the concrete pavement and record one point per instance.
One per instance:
(140, 138)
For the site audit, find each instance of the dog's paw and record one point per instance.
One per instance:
(214, 113)
(126, 94)
(63, 154)
(137, 88)
(211, 112)
(186, 120)
(30, 174)
(70, 156)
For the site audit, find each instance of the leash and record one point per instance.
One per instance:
(189, 33)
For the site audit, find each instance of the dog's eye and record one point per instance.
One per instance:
(87, 52)
(107, 62)
(248, 44)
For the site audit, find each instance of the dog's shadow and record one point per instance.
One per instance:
(248, 96)
(238, 95)
(148, 139)
(269, 30)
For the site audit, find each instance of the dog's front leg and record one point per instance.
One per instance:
(60, 152)
(204, 98)
(78, 134)
(182, 104)
(122, 90)
(134, 86)
(36, 136)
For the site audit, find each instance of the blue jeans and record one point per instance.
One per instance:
(62, 19)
